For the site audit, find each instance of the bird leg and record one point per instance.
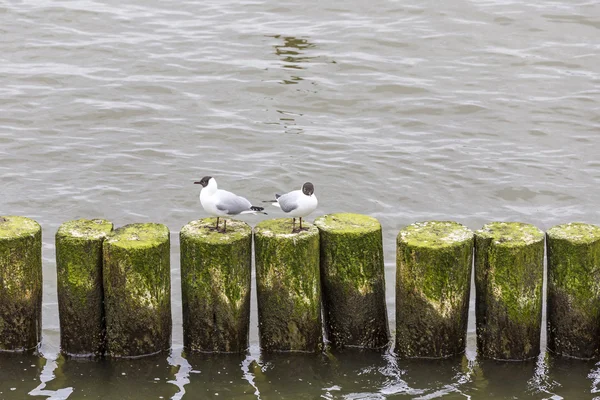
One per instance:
(301, 228)
(216, 227)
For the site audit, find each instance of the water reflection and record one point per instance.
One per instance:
(438, 378)
(348, 374)
(144, 378)
(541, 381)
(290, 375)
(218, 375)
(49, 374)
(573, 379)
(288, 120)
(499, 379)
(19, 374)
(357, 374)
(182, 377)
(292, 53)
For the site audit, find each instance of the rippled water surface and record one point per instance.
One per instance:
(471, 111)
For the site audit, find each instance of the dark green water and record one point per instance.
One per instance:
(346, 375)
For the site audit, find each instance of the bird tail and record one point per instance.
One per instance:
(254, 210)
(277, 195)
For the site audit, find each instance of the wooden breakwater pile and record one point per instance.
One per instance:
(115, 300)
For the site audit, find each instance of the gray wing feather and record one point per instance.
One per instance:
(288, 202)
(231, 203)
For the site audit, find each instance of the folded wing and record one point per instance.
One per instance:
(232, 204)
(288, 202)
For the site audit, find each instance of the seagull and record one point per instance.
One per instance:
(297, 203)
(221, 203)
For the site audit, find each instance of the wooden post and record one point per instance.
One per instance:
(288, 287)
(215, 285)
(137, 290)
(509, 270)
(80, 290)
(574, 290)
(353, 281)
(433, 281)
(20, 283)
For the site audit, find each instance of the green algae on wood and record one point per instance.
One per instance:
(573, 306)
(20, 283)
(137, 290)
(353, 281)
(79, 286)
(433, 280)
(288, 287)
(215, 285)
(509, 269)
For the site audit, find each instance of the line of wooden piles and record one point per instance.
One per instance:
(114, 287)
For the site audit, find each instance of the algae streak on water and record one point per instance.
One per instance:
(353, 280)
(573, 306)
(80, 291)
(288, 287)
(137, 290)
(215, 284)
(509, 259)
(433, 279)
(21, 277)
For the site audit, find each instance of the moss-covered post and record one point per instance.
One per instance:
(288, 287)
(137, 290)
(20, 283)
(215, 286)
(353, 281)
(80, 290)
(433, 281)
(509, 270)
(573, 307)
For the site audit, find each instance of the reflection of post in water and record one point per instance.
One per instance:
(491, 377)
(578, 378)
(218, 375)
(141, 378)
(431, 378)
(292, 54)
(285, 375)
(18, 371)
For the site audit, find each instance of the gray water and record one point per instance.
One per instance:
(471, 111)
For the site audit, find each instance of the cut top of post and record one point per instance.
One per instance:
(283, 228)
(139, 236)
(575, 232)
(347, 223)
(434, 234)
(510, 234)
(85, 229)
(203, 230)
(13, 227)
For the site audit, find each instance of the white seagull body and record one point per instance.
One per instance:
(221, 203)
(297, 203)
